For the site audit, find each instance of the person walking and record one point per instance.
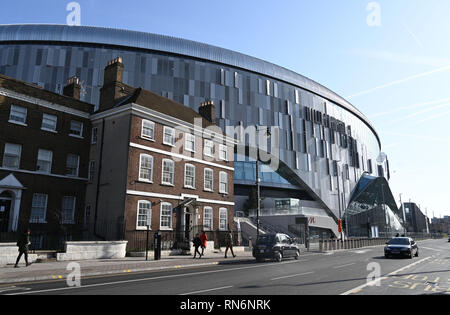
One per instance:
(197, 243)
(23, 243)
(229, 243)
(204, 239)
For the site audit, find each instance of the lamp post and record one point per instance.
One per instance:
(404, 215)
(258, 181)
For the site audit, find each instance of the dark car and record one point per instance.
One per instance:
(275, 246)
(449, 238)
(401, 246)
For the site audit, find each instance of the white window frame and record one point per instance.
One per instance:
(173, 172)
(78, 165)
(18, 109)
(151, 126)
(148, 216)
(150, 179)
(210, 211)
(223, 227)
(211, 180)
(221, 191)
(9, 154)
(71, 217)
(52, 118)
(94, 135)
(186, 185)
(39, 219)
(189, 138)
(208, 149)
(166, 228)
(223, 149)
(81, 129)
(172, 131)
(51, 161)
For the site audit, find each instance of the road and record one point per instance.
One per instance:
(345, 272)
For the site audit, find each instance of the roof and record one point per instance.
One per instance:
(38, 92)
(164, 105)
(161, 43)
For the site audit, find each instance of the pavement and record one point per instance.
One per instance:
(60, 270)
(363, 271)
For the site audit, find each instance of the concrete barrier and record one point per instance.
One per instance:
(9, 253)
(93, 250)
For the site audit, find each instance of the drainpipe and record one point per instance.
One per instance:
(100, 163)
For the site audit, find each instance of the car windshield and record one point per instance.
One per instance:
(399, 241)
(266, 239)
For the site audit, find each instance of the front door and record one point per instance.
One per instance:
(5, 207)
(187, 227)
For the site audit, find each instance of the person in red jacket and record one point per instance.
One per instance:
(204, 239)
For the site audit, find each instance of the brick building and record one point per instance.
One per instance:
(157, 163)
(44, 149)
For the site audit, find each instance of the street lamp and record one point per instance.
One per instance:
(258, 181)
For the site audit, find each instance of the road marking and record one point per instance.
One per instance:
(291, 276)
(429, 248)
(157, 278)
(209, 290)
(13, 288)
(342, 266)
(373, 282)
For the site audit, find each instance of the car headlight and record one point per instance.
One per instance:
(387, 248)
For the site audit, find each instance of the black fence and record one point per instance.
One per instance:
(173, 240)
(52, 236)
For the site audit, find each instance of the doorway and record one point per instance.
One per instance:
(5, 210)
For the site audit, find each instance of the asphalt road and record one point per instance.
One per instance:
(363, 271)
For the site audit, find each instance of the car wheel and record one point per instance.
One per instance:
(259, 259)
(278, 257)
(297, 255)
(386, 256)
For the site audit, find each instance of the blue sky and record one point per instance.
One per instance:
(397, 72)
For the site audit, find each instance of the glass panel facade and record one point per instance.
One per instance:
(372, 211)
(191, 73)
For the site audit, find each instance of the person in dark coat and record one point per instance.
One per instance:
(229, 243)
(197, 244)
(23, 243)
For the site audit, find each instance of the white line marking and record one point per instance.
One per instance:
(342, 266)
(156, 278)
(203, 291)
(291, 276)
(437, 250)
(373, 282)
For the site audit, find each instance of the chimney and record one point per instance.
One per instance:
(73, 88)
(208, 111)
(113, 88)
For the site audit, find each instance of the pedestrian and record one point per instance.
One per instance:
(23, 243)
(197, 243)
(204, 239)
(229, 243)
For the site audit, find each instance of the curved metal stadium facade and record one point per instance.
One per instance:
(326, 145)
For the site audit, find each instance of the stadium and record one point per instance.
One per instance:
(331, 164)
